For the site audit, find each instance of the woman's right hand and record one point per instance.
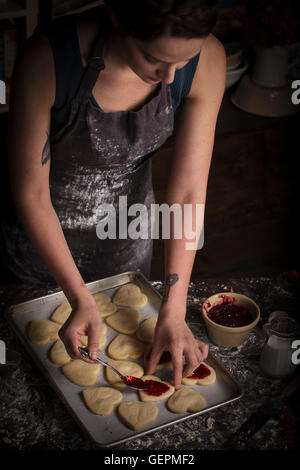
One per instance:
(85, 320)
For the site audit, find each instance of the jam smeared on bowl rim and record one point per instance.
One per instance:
(201, 372)
(227, 313)
(155, 388)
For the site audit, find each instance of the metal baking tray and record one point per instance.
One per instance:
(109, 430)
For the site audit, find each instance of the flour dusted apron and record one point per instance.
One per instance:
(96, 158)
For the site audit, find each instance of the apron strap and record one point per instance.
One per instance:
(95, 65)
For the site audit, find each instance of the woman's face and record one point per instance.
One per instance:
(157, 60)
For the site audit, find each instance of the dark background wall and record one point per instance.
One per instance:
(252, 204)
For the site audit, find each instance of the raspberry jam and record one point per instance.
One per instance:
(135, 382)
(200, 373)
(156, 389)
(228, 314)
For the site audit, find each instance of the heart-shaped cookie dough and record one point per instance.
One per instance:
(81, 372)
(145, 331)
(58, 353)
(125, 368)
(104, 304)
(101, 400)
(125, 320)
(156, 386)
(102, 337)
(61, 313)
(42, 331)
(123, 346)
(130, 295)
(186, 399)
(137, 415)
(208, 380)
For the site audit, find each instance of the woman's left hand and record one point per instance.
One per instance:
(173, 334)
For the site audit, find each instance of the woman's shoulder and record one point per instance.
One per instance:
(211, 68)
(34, 74)
(213, 49)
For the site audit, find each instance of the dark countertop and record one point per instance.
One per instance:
(33, 417)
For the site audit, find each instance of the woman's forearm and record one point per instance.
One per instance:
(42, 226)
(179, 257)
(178, 268)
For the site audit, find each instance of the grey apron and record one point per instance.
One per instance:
(96, 158)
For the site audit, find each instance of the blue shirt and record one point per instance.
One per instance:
(63, 38)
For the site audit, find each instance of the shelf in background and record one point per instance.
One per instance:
(11, 9)
(4, 108)
(69, 10)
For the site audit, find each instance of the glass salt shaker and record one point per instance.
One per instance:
(276, 356)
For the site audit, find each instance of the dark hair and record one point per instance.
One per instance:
(150, 19)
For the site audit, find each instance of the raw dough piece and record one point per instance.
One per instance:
(102, 337)
(42, 331)
(125, 321)
(161, 364)
(101, 400)
(186, 399)
(145, 332)
(123, 346)
(145, 397)
(125, 368)
(58, 353)
(209, 380)
(80, 372)
(62, 313)
(137, 415)
(130, 295)
(104, 304)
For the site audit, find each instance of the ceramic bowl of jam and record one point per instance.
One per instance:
(229, 318)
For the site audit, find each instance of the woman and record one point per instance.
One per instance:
(93, 98)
